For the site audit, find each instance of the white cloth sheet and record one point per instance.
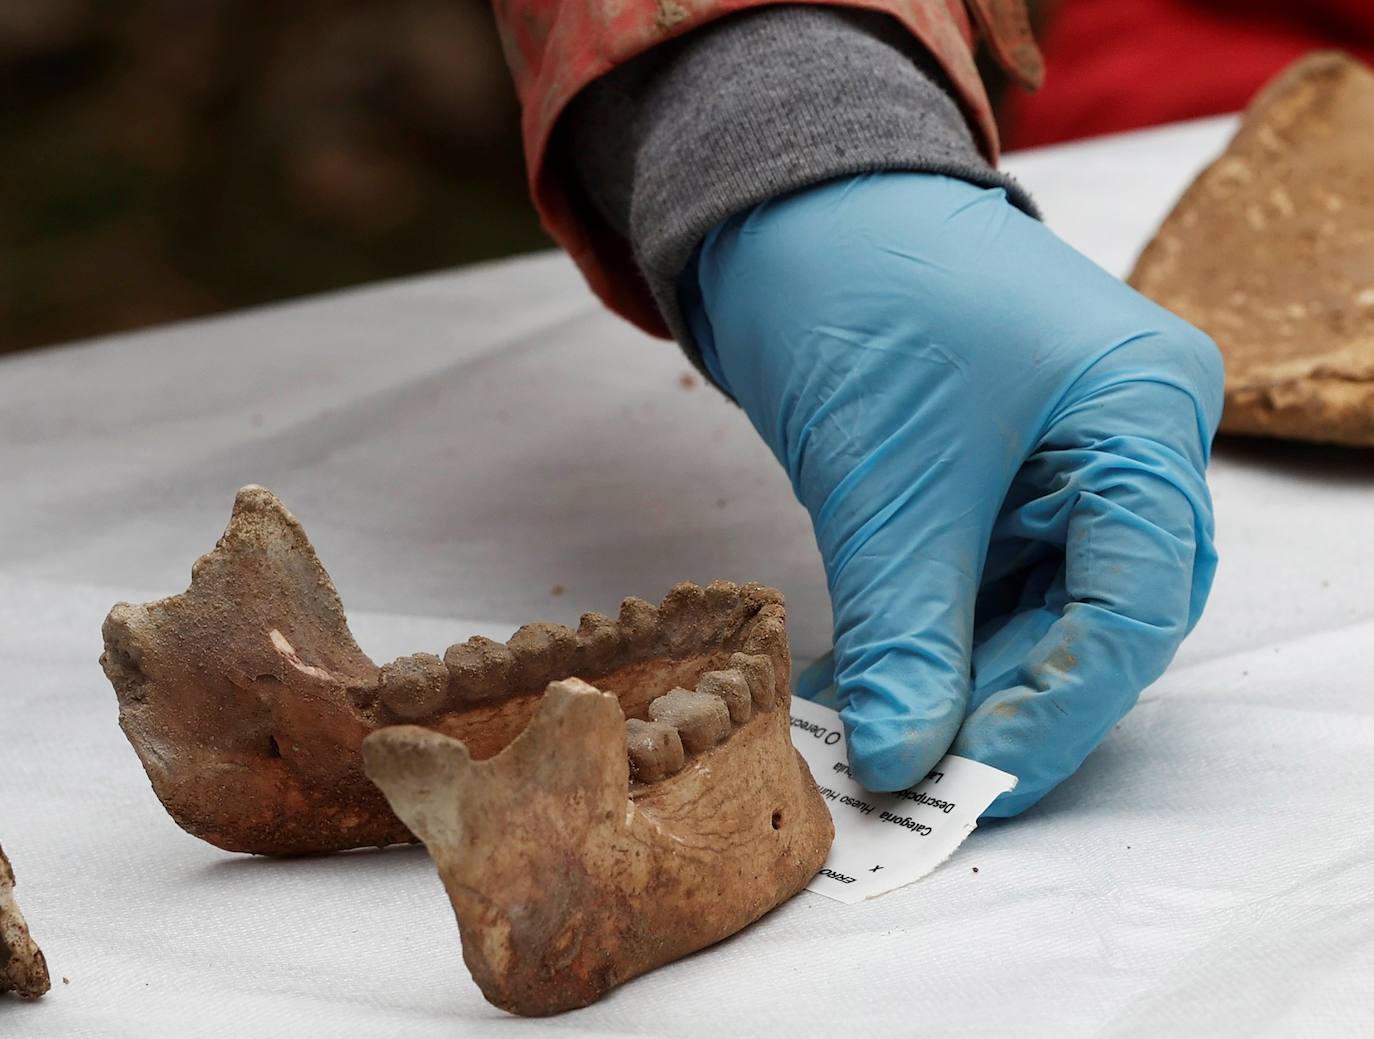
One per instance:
(458, 445)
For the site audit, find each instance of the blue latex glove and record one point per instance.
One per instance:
(1001, 447)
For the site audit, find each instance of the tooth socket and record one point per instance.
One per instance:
(732, 688)
(479, 670)
(543, 653)
(701, 720)
(414, 687)
(758, 672)
(598, 645)
(639, 627)
(654, 749)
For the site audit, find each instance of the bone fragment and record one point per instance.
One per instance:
(23, 970)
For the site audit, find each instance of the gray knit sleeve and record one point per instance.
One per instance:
(752, 106)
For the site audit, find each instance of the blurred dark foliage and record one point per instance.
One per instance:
(167, 158)
(163, 159)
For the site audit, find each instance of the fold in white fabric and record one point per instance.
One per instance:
(461, 447)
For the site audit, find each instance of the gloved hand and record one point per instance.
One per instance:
(1001, 447)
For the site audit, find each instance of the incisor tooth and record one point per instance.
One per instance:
(758, 672)
(655, 750)
(414, 686)
(701, 720)
(769, 631)
(731, 687)
(768, 637)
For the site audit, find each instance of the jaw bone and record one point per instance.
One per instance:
(23, 970)
(247, 699)
(563, 885)
(587, 829)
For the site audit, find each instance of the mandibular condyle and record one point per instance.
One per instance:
(597, 801)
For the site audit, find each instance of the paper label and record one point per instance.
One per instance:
(884, 841)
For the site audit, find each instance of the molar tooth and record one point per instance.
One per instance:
(761, 594)
(415, 686)
(598, 643)
(639, 624)
(731, 687)
(684, 597)
(681, 617)
(702, 720)
(480, 669)
(543, 653)
(731, 608)
(655, 750)
(758, 672)
(684, 594)
(722, 595)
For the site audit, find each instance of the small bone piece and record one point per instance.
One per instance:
(655, 750)
(22, 967)
(702, 720)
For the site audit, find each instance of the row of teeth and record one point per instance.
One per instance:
(690, 620)
(689, 721)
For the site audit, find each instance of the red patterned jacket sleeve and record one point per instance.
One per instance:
(556, 47)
